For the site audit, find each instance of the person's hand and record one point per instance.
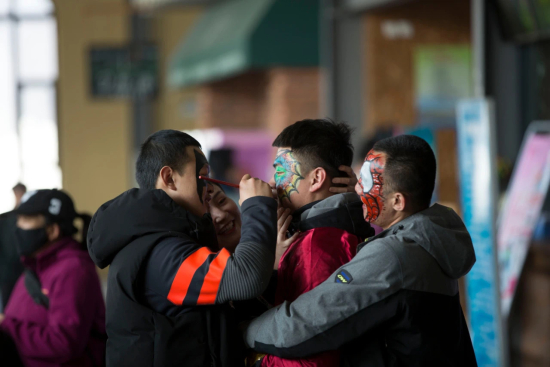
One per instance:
(250, 187)
(2, 317)
(275, 193)
(283, 222)
(349, 181)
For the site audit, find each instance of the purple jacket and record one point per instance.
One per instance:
(70, 332)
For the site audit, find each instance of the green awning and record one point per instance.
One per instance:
(238, 35)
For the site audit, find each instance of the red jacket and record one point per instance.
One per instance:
(331, 230)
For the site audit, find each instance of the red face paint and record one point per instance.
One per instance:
(372, 185)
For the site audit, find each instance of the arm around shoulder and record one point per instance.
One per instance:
(326, 317)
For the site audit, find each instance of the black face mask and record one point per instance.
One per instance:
(30, 240)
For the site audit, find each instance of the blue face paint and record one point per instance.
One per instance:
(287, 173)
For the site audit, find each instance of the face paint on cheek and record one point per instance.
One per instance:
(200, 162)
(372, 184)
(287, 174)
(279, 175)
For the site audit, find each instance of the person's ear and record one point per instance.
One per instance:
(318, 176)
(166, 178)
(399, 202)
(53, 232)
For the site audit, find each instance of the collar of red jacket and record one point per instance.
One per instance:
(49, 255)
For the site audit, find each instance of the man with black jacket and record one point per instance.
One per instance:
(402, 284)
(169, 284)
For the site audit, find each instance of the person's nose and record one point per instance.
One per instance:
(218, 216)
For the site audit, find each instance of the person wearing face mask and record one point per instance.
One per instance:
(169, 282)
(56, 313)
(401, 285)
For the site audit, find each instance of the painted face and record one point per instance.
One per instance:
(287, 173)
(200, 163)
(372, 184)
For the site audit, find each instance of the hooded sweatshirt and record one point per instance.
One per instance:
(71, 331)
(330, 231)
(402, 286)
(168, 282)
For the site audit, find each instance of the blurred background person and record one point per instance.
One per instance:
(56, 313)
(18, 191)
(10, 266)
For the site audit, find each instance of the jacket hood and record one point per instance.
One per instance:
(344, 211)
(134, 214)
(441, 232)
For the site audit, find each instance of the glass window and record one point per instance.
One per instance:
(28, 117)
(4, 7)
(37, 50)
(38, 135)
(33, 7)
(8, 84)
(9, 149)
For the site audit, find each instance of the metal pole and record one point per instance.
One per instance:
(142, 105)
(478, 14)
(478, 46)
(327, 39)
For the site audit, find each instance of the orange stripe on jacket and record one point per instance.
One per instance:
(213, 278)
(185, 273)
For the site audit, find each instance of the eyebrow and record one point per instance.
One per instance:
(216, 194)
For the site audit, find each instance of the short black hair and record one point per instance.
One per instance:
(163, 148)
(410, 168)
(319, 143)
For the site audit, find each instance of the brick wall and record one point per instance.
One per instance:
(237, 102)
(389, 76)
(271, 99)
(292, 95)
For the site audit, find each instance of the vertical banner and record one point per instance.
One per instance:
(526, 195)
(476, 149)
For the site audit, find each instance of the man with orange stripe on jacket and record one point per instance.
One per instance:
(169, 284)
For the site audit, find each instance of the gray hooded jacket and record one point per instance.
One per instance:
(395, 304)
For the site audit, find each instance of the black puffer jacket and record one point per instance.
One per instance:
(197, 329)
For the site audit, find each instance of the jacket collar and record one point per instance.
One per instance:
(49, 255)
(296, 216)
(343, 211)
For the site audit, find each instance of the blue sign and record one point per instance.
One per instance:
(478, 194)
